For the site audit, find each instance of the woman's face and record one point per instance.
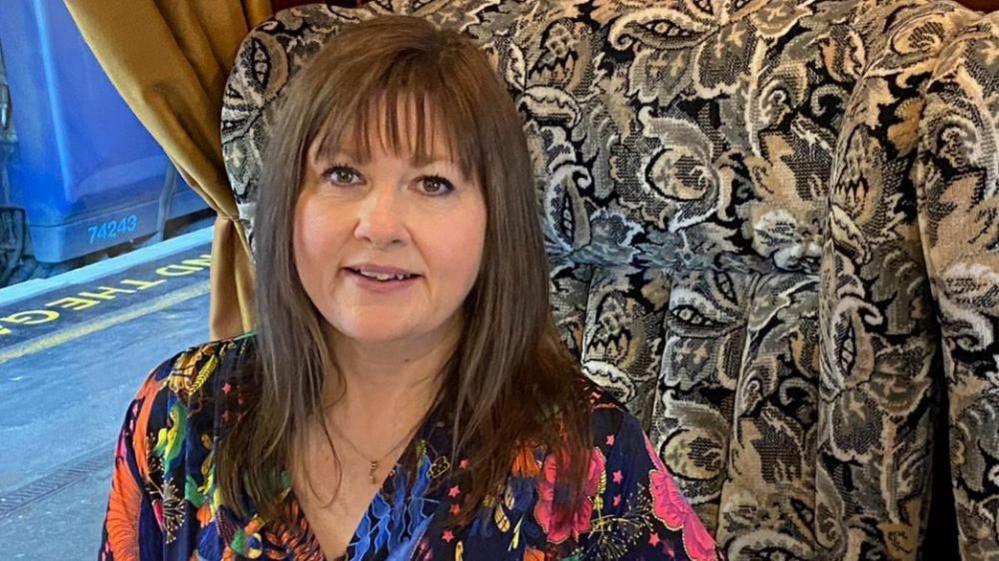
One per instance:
(387, 249)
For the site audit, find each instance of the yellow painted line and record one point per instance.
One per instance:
(104, 322)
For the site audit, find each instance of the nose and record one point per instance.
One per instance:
(379, 220)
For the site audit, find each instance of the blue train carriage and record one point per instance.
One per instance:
(79, 174)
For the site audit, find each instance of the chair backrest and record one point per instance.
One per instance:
(743, 208)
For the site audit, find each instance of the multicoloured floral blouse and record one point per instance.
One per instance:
(165, 504)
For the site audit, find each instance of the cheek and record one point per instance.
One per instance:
(301, 257)
(305, 239)
(311, 242)
(300, 241)
(462, 247)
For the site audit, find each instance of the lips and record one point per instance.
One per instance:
(375, 268)
(381, 276)
(383, 288)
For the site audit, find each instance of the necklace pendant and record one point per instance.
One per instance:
(372, 471)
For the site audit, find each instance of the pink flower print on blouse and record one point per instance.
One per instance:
(672, 509)
(559, 527)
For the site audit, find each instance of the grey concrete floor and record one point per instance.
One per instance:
(61, 407)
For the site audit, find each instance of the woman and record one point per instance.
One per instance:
(406, 395)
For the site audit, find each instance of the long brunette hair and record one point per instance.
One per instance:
(510, 384)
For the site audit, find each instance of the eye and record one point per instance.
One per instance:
(436, 185)
(342, 175)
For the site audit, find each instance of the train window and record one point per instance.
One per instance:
(81, 178)
(104, 272)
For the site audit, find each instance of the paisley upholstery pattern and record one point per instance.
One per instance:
(773, 231)
(957, 198)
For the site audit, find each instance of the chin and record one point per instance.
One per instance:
(371, 332)
(373, 338)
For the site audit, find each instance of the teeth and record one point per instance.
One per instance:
(383, 276)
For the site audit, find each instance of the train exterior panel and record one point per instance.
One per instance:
(87, 173)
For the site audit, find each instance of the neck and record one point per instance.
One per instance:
(384, 386)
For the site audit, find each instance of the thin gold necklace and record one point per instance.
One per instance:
(374, 465)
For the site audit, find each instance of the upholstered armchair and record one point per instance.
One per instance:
(773, 232)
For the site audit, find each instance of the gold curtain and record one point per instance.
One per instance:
(169, 59)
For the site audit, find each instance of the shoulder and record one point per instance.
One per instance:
(620, 444)
(612, 425)
(194, 373)
(163, 471)
(183, 395)
(633, 508)
(616, 438)
(198, 374)
(628, 481)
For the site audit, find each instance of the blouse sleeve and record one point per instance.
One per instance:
(638, 512)
(132, 528)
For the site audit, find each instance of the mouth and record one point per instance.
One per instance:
(384, 278)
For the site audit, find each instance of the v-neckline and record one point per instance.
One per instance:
(308, 535)
(428, 443)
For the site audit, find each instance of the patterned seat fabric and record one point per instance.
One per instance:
(773, 229)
